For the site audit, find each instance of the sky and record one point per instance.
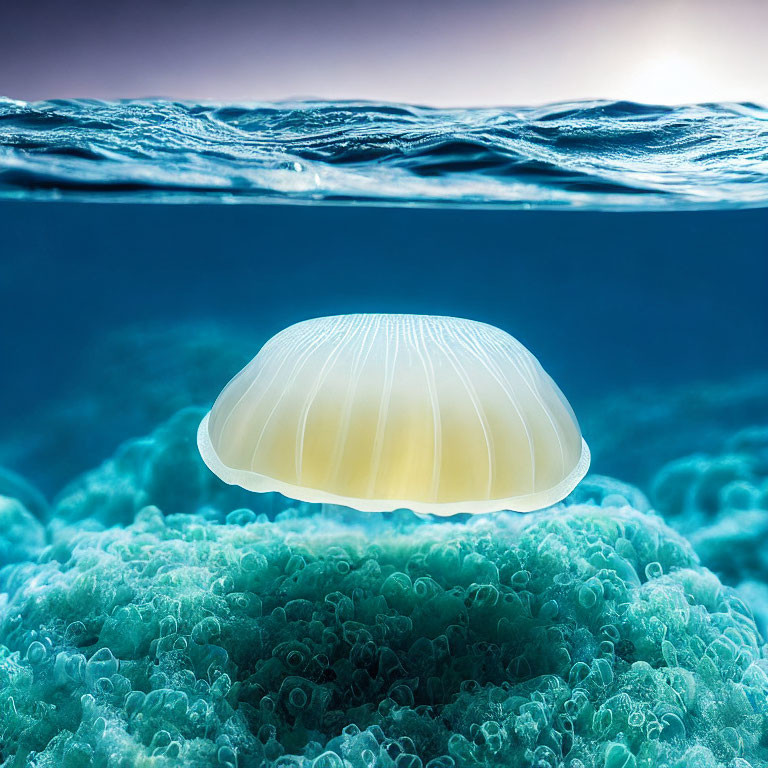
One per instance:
(436, 52)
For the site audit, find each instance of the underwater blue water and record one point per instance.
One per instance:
(150, 613)
(101, 299)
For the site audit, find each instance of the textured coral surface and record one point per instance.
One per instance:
(154, 620)
(719, 501)
(588, 638)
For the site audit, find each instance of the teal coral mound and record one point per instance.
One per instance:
(21, 535)
(719, 501)
(588, 637)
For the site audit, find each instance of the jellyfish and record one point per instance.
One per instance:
(439, 415)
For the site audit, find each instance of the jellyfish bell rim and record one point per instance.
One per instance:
(259, 483)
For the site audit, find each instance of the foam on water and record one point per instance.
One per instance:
(593, 154)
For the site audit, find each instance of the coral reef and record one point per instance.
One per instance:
(586, 637)
(720, 503)
(16, 487)
(152, 618)
(22, 536)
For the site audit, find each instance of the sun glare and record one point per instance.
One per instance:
(670, 77)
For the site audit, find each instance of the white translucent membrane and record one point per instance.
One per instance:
(435, 414)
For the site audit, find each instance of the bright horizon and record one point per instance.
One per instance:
(450, 53)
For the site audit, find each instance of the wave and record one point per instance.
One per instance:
(590, 155)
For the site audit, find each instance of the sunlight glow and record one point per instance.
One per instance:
(669, 76)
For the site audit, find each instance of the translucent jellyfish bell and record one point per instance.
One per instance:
(436, 414)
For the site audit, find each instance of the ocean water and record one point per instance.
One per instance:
(151, 615)
(593, 155)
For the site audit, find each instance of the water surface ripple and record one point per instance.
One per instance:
(593, 154)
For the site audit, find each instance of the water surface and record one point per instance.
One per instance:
(593, 154)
